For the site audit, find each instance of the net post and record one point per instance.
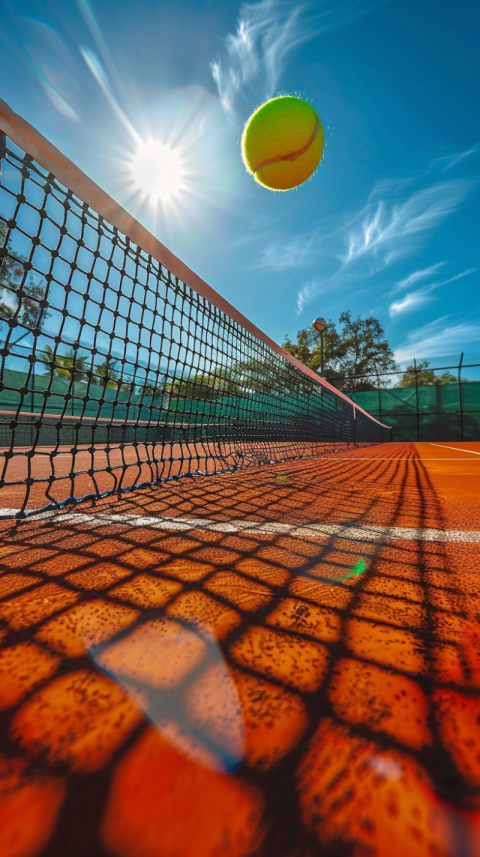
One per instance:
(379, 395)
(460, 399)
(354, 425)
(416, 399)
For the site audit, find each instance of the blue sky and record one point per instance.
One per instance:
(388, 225)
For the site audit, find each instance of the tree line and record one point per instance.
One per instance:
(358, 356)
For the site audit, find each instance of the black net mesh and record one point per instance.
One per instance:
(115, 374)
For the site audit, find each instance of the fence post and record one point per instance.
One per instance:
(416, 398)
(379, 394)
(3, 149)
(460, 394)
(32, 418)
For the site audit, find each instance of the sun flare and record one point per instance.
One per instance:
(158, 171)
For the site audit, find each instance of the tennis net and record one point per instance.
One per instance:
(119, 366)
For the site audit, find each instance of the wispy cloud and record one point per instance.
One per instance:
(396, 221)
(449, 161)
(439, 338)
(254, 57)
(388, 229)
(373, 239)
(422, 274)
(422, 297)
(412, 301)
(456, 277)
(415, 300)
(306, 295)
(266, 33)
(293, 253)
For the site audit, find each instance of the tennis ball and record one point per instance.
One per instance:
(282, 142)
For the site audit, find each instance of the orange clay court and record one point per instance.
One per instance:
(283, 661)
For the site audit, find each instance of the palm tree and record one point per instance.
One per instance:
(107, 372)
(71, 365)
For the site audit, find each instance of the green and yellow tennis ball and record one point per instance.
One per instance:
(282, 143)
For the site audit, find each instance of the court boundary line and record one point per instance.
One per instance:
(352, 532)
(444, 446)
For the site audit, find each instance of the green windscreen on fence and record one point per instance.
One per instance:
(427, 412)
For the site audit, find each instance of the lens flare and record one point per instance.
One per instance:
(357, 569)
(180, 680)
(158, 170)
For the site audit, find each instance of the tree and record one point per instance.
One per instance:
(154, 389)
(108, 373)
(205, 385)
(424, 376)
(357, 356)
(111, 376)
(367, 354)
(258, 377)
(308, 348)
(17, 301)
(70, 365)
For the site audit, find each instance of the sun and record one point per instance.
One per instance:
(158, 170)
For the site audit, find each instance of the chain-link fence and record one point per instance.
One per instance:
(435, 399)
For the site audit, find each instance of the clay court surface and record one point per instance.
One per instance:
(281, 662)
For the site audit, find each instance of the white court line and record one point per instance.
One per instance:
(471, 451)
(363, 532)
